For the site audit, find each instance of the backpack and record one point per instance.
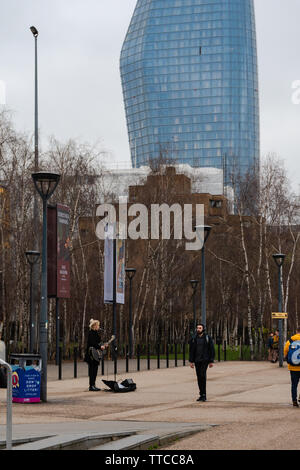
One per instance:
(293, 356)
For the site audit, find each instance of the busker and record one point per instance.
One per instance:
(202, 354)
(292, 354)
(93, 341)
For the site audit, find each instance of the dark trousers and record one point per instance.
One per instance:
(295, 377)
(201, 368)
(93, 371)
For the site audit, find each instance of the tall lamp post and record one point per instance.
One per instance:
(32, 258)
(35, 273)
(203, 232)
(130, 273)
(45, 184)
(279, 260)
(194, 284)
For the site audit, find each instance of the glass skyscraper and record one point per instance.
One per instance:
(190, 83)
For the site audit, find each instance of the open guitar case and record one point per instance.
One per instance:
(126, 385)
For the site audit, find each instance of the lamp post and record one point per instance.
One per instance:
(194, 284)
(279, 260)
(32, 258)
(45, 184)
(130, 273)
(35, 273)
(203, 232)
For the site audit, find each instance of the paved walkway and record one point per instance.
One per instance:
(248, 407)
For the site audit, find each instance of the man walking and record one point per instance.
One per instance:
(292, 354)
(202, 354)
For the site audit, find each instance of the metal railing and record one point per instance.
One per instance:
(8, 405)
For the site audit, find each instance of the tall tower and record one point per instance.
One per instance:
(190, 83)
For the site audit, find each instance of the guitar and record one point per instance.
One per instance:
(97, 354)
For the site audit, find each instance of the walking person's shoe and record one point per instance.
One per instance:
(295, 403)
(202, 398)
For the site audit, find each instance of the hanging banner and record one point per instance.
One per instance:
(114, 246)
(109, 264)
(63, 252)
(120, 271)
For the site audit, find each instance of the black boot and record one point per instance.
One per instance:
(94, 389)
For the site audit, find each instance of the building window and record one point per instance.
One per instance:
(215, 203)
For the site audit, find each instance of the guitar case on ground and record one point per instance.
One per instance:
(126, 385)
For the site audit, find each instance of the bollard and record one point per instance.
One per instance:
(158, 355)
(183, 353)
(115, 365)
(148, 357)
(175, 354)
(75, 362)
(224, 350)
(167, 355)
(127, 359)
(8, 405)
(102, 364)
(59, 363)
(138, 357)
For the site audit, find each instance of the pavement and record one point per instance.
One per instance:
(248, 408)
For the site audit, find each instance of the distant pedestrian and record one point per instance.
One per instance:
(202, 355)
(292, 355)
(93, 341)
(270, 347)
(275, 347)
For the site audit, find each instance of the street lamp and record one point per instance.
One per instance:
(35, 274)
(32, 258)
(203, 232)
(279, 260)
(45, 183)
(194, 284)
(130, 273)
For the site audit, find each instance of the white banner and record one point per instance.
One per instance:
(108, 264)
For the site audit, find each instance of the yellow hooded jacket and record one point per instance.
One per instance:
(286, 350)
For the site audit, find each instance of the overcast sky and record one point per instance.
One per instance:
(80, 92)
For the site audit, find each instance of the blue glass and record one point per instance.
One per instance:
(190, 83)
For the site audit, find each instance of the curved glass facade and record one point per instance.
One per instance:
(190, 83)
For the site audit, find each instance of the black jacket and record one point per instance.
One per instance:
(94, 341)
(208, 352)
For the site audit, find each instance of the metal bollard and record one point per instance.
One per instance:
(59, 363)
(75, 362)
(167, 354)
(127, 359)
(8, 405)
(138, 357)
(148, 357)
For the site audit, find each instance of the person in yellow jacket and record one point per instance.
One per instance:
(293, 359)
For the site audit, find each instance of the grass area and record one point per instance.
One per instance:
(231, 354)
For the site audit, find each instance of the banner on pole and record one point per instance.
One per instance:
(63, 252)
(120, 271)
(58, 251)
(114, 245)
(109, 264)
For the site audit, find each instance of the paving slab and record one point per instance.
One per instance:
(241, 395)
